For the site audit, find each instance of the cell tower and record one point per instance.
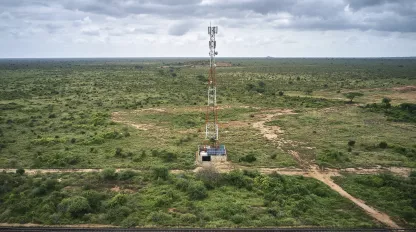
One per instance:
(211, 121)
(213, 151)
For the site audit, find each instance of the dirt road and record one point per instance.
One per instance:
(272, 133)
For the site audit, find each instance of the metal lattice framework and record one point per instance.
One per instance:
(211, 121)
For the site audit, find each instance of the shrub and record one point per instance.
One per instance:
(351, 143)
(129, 222)
(237, 178)
(20, 171)
(238, 218)
(386, 101)
(383, 145)
(168, 156)
(250, 158)
(109, 174)
(161, 173)
(273, 156)
(160, 218)
(76, 205)
(117, 214)
(188, 218)
(118, 152)
(118, 200)
(94, 198)
(281, 93)
(197, 190)
(210, 177)
(126, 174)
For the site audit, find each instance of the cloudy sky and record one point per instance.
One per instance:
(178, 28)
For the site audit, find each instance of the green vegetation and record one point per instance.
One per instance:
(391, 194)
(405, 112)
(148, 115)
(352, 95)
(207, 199)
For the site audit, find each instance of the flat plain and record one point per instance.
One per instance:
(121, 135)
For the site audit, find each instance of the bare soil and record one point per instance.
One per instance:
(118, 117)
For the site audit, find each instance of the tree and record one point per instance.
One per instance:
(20, 171)
(386, 101)
(352, 95)
(161, 173)
(76, 205)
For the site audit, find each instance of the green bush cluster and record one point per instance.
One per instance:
(405, 112)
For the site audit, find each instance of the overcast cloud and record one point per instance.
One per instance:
(171, 28)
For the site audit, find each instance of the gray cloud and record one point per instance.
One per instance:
(383, 15)
(180, 29)
(153, 21)
(307, 14)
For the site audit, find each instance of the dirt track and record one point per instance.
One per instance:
(272, 133)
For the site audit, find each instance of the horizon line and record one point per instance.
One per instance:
(203, 57)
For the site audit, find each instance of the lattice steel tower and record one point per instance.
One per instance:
(211, 121)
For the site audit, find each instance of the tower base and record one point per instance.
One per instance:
(208, 153)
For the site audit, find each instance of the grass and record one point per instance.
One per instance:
(391, 194)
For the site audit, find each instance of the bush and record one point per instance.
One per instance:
(281, 93)
(273, 156)
(126, 174)
(383, 145)
(118, 152)
(167, 156)
(76, 205)
(237, 178)
(20, 171)
(351, 143)
(197, 190)
(118, 200)
(160, 218)
(250, 158)
(386, 101)
(188, 218)
(129, 222)
(210, 177)
(161, 173)
(109, 174)
(238, 218)
(117, 214)
(94, 198)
